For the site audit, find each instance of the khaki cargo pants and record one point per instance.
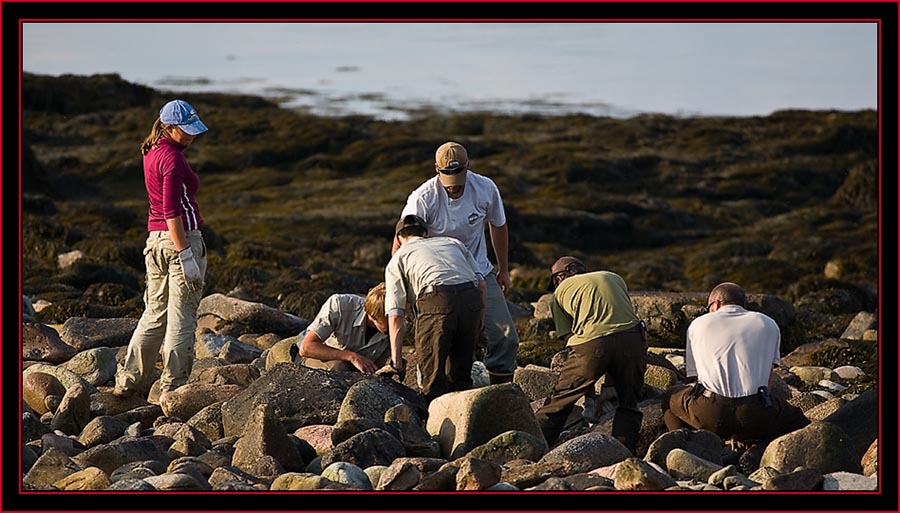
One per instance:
(169, 319)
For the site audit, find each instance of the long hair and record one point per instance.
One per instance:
(159, 129)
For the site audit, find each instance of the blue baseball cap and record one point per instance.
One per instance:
(180, 112)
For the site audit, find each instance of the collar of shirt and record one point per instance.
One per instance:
(731, 309)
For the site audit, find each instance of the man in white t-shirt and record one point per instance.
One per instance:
(731, 351)
(458, 203)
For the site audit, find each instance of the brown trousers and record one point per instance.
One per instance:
(623, 356)
(742, 418)
(447, 327)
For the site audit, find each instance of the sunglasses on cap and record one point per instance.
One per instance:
(453, 167)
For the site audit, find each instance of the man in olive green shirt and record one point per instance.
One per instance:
(593, 314)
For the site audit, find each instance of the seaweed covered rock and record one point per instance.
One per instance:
(253, 317)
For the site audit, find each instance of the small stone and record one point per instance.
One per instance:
(832, 386)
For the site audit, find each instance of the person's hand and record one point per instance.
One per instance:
(392, 370)
(190, 270)
(504, 281)
(363, 364)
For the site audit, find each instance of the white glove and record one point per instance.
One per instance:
(190, 269)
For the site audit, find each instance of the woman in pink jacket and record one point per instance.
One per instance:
(175, 256)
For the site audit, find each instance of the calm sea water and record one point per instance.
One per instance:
(385, 69)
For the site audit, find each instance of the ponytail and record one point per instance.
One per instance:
(155, 133)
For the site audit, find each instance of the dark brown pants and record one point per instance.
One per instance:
(744, 418)
(623, 357)
(447, 327)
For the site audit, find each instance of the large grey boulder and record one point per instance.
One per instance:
(65, 376)
(348, 474)
(102, 430)
(371, 447)
(511, 445)
(50, 467)
(209, 421)
(227, 348)
(821, 445)
(87, 333)
(586, 452)
(368, 399)
(461, 421)
(701, 443)
(859, 419)
(74, 412)
(145, 414)
(109, 457)
(412, 434)
(251, 317)
(684, 465)
(37, 386)
(265, 436)
(180, 431)
(96, 365)
(41, 342)
(801, 356)
(69, 445)
(537, 382)
(299, 396)
(185, 401)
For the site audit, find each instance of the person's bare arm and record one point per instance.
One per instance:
(500, 241)
(397, 330)
(312, 347)
(177, 233)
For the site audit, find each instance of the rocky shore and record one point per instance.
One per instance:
(785, 205)
(249, 419)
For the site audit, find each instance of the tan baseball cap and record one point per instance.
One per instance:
(452, 163)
